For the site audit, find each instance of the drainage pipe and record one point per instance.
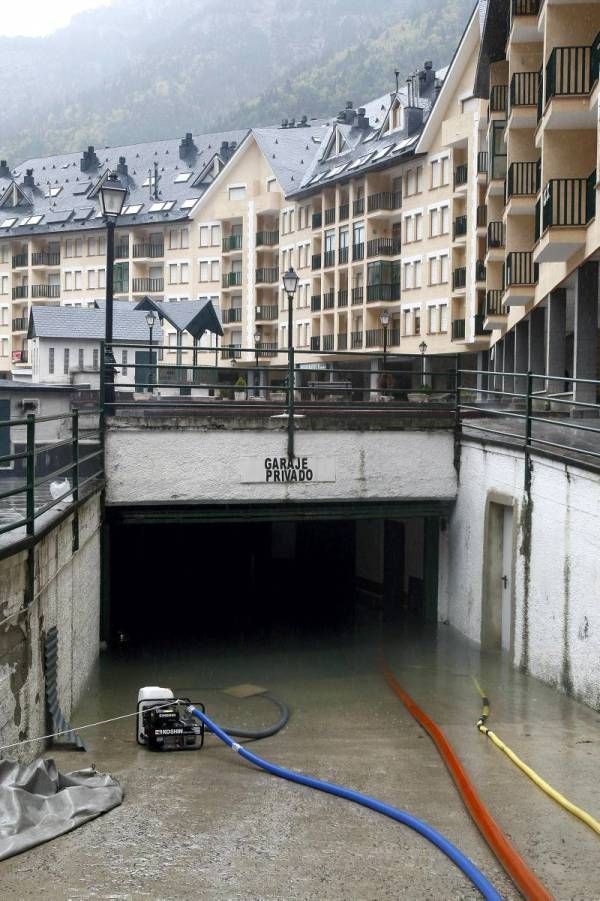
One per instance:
(468, 868)
(525, 880)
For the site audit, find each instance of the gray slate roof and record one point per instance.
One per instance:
(291, 151)
(129, 324)
(193, 316)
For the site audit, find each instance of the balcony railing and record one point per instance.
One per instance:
(374, 337)
(525, 7)
(329, 300)
(384, 200)
(569, 202)
(342, 297)
(21, 324)
(358, 251)
(480, 271)
(233, 315)
(330, 216)
(317, 220)
(459, 278)
(356, 340)
(482, 162)
(20, 356)
(358, 206)
(495, 235)
(520, 269)
(493, 303)
(45, 290)
(148, 250)
(42, 258)
(481, 216)
(479, 330)
(569, 72)
(266, 349)
(316, 261)
(522, 179)
(328, 342)
(152, 285)
(342, 341)
(315, 303)
(383, 247)
(232, 242)
(231, 351)
(20, 291)
(344, 211)
(376, 293)
(357, 295)
(20, 260)
(458, 330)
(315, 342)
(329, 258)
(460, 175)
(460, 227)
(524, 89)
(342, 255)
(498, 96)
(230, 279)
(267, 275)
(121, 251)
(267, 238)
(266, 312)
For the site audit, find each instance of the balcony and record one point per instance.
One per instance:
(525, 7)
(316, 261)
(45, 259)
(568, 205)
(520, 278)
(330, 216)
(384, 202)
(342, 255)
(459, 279)
(460, 228)
(482, 162)
(482, 216)
(20, 356)
(230, 280)
(21, 324)
(342, 341)
(480, 272)
(20, 292)
(317, 220)
(231, 351)
(147, 285)
(383, 293)
(148, 251)
(20, 261)
(357, 295)
(495, 242)
(524, 95)
(358, 206)
(315, 303)
(328, 300)
(356, 340)
(458, 330)
(523, 25)
(232, 243)
(495, 313)
(267, 349)
(122, 251)
(376, 337)
(328, 342)
(571, 73)
(315, 342)
(233, 315)
(479, 327)
(266, 313)
(267, 275)
(328, 258)
(523, 180)
(51, 291)
(461, 174)
(498, 98)
(342, 297)
(267, 238)
(344, 211)
(358, 252)
(383, 247)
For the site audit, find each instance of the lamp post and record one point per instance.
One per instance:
(385, 321)
(257, 373)
(423, 349)
(151, 320)
(112, 197)
(290, 284)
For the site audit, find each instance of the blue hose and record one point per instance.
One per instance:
(470, 870)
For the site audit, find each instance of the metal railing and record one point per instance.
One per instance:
(460, 175)
(315, 342)
(344, 211)
(460, 227)
(480, 272)
(569, 201)
(342, 297)
(482, 216)
(458, 330)
(231, 279)
(522, 179)
(569, 72)
(328, 300)
(384, 200)
(525, 7)
(151, 285)
(498, 96)
(495, 235)
(377, 293)
(19, 292)
(267, 275)
(30, 442)
(459, 278)
(121, 251)
(358, 206)
(20, 261)
(233, 315)
(45, 291)
(316, 261)
(232, 242)
(20, 324)
(478, 326)
(328, 341)
(317, 220)
(267, 238)
(383, 247)
(343, 255)
(315, 303)
(358, 295)
(524, 89)
(358, 251)
(266, 312)
(148, 249)
(43, 258)
(482, 162)
(330, 216)
(328, 259)
(493, 303)
(519, 269)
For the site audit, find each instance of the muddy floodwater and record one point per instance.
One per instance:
(205, 824)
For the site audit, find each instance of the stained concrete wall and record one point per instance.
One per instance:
(66, 595)
(555, 568)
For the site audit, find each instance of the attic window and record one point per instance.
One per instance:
(183, 177)
(53, 192)
(149, 182)
(370, 137)
(189, 203)
(379, 154)
(162, 206)
(31, 220)
(8, 223)
(337, 170)
(132, 209)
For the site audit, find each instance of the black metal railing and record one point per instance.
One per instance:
(232, 242)
(344, 211)
(522, 179)
(482, 216)
(377, 293)
(495, 235)
(460, 175)
(569, 72)
(524, 89)
(525, 7)
(358, 251)
(315, 342)
(121, 251)
(458, 330)
(267, 275)
(328, 342)
(498, 96)
(328, 259)
(342, 341)
(358, 206)
(482, 162)
(519, 269)
(316, 261)
(152, 285)
(150, 250)
(45, 291)
(266, 313)
(478, 326)
(342, 255)
(568, 202)
(342, 297)
(43, 258)
(383, 247)
(20, 324)
(358, 295)
(267, 238)
(230, 352)
(317, 220)
(384, 200)
(459, 278)
(493, 303)
(330, 216)
(480, 273)
(233, 315)
(20, 260)
(267, 349)
(356, 340)
(460, 227)
(19, 292)
(328, 300)
(315, 303)
(230, 279)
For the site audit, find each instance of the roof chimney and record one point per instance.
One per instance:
(28, 179)
(284, 123)
(89, 160)
(224, 151)
(122, 166)
(303, 121)
(4, 170)
(362, 120)
(413, 116)
(187, 146)
(426, 78)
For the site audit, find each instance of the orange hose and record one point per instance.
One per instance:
(526, 881)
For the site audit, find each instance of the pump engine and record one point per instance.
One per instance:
(164, 726)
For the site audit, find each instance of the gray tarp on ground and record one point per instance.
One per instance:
(37, 802)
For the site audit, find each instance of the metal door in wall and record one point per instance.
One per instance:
(496, 610)
(507, 547)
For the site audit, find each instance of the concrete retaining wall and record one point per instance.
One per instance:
(555, 568)
(67, 595)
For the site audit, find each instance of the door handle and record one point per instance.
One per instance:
(505, 581)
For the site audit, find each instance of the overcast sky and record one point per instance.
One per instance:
(39, 17)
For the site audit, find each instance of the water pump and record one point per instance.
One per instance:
(165, 726)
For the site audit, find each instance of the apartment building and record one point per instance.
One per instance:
(538, 73)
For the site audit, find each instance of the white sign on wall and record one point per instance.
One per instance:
(281, 471)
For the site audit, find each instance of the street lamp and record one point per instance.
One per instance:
(257, 373)
(423, 349)
(385, 321)
(290, 284)
(112, 197)
(151, 320)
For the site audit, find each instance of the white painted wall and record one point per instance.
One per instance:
(186, 464)
(556, 610)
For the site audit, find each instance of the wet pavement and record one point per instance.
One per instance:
(207, 825)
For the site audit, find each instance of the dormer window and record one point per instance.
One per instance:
(53, 192)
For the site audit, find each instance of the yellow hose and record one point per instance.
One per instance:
(582, 815)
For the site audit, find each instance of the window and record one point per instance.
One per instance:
(3, 284)
(78, 280)
(214, 270)
(182, 177)
(185, 238)
(204, 236)
(203, 277)
(173, 273)
(68, 281)
(445, 220)
(445, 176)
(102, 278)
(68, 248)
(51, 360)
(54, 191)
(417, 321)
(92, 247)
(406, 322)
(132, 209)
(419, 179)
(436, 173)
(79, 247)
(417, 273)
(124, 361)
(185, 273)
(66, 361)
(4, 347)
(284, 219)
(3, 253)
(96, 358)
(81, 357)
(91, 278)
(237, 192)
(444, 269)
(432, 320)
(418, 226)
(215, 235)
(434, 223)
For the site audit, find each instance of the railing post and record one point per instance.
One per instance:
(291, 367)
(30, 474)
(75, 476)
(457, 420)
(528, 424)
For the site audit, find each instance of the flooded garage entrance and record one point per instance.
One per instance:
(240, 579)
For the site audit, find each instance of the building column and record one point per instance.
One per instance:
(483, 364)
(585, 338)
(537, 349)
(521, 331)
(508, 381)
(498, 364)
(556, 330)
